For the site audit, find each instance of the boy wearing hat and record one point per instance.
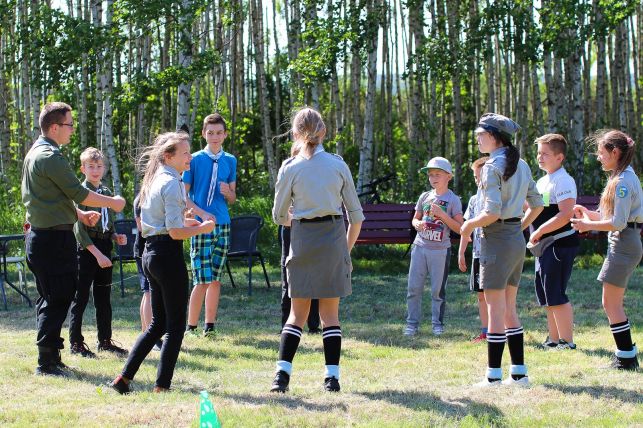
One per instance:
(437, 212)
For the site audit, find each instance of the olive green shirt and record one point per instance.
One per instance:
(49, 186)
(102, 226)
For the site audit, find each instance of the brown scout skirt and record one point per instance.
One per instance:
(319, 265)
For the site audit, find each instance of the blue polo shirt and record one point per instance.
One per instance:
(198, 177)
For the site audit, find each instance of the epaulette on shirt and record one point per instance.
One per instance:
(288, 161)
(336, 155)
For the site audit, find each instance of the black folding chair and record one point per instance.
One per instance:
(125, 253)
(244, 231)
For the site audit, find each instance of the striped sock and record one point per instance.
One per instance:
(332, 337)
(290, 337)
(622, 335)
(516, 344)
(495, 348)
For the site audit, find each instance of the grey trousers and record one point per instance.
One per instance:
(426, 262)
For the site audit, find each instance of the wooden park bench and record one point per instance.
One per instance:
(391, 223)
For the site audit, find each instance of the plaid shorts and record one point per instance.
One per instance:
(208, 254)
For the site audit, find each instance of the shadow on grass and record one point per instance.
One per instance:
(598, 352)
(600, 392)
(285, 401)
(423, 401)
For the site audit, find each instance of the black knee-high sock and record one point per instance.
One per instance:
(495, 347)
(622, 335)
(290, 336)
(332, 337)
(516, 344)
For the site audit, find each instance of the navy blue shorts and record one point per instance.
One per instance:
(553, 270)
(142, 279)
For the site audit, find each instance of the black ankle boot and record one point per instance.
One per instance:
(280, 384)
(48, 362)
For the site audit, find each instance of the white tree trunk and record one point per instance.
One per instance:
(266, 135)
(185, 60)
(365, 175)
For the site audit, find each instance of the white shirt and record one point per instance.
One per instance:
(557, 187)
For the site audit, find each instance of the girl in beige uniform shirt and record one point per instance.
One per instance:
(621, 215)
(316, 184)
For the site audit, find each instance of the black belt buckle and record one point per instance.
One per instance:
(158, 238)
(634, 225)
(320, 219)
(509, 220)
(99, 235)
(62, 227)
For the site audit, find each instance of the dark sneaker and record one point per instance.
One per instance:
(120, 385)
(81, 348)
(280, 384)
(108, 345)
(621, 363)
(331, 384)
(210, 334)
(158, 345)
(563, 344)
(51, 370)
(549, 344)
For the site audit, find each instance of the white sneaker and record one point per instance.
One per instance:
(484, 383)
(410, 330)
(522, 382)
(438, 330)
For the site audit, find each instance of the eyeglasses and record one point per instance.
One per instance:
(71, 125)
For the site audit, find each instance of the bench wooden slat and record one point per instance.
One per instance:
(386, 225)
(391, 223)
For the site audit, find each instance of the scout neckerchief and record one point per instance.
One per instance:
(104, 212)
(215, 171)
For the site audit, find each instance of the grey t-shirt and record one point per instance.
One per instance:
(437, 234)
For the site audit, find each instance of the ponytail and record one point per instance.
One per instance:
(512, 154)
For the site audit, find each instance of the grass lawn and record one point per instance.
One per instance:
(387, 379)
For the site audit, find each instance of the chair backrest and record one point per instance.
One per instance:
(128, 228)
(244, 231)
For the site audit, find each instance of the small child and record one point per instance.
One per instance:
(554, 265)
(94, 264)
(437, 212)
(473, 209)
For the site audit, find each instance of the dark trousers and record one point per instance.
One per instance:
(165, 269)
(51, 256)
(89, 272)
(313, 315)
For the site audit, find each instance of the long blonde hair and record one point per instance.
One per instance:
(610, 139)
(154, 156)
(310, 129)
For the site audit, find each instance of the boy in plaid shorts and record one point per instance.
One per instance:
(211, 186)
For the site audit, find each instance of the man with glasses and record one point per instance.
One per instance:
(49, 190)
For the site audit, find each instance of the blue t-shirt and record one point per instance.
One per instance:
(199, 176)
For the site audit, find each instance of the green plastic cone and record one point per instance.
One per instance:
(207, 416)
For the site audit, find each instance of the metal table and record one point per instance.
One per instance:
(4, 277)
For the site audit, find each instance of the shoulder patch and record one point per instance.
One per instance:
(621, 192)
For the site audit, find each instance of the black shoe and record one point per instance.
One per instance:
(280, 384)
(549, 344)
(158, 345)
(108, 345)
(51, 370)
(81, 348)
(120, 385)
(315, 330)
(620, 363)
(331, 384)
